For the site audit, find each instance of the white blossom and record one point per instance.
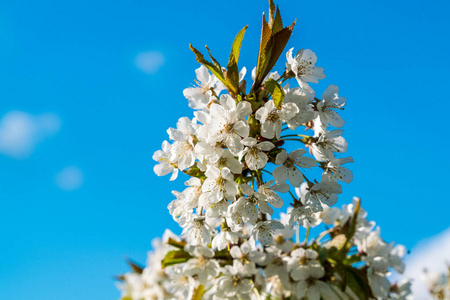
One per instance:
(264, 231)
(180, 285)
(254, 155)
(270, 117)
(246, 257)
(324, 192)
(225, 237)
(233, 284)
(192, 193)
(270, 192)
(303, 66)
(203, 264)
(331, 101)
(219, 184)
(208, 86)
(335, 170)
(302, 101)
(288, 166)
(197, 231)
(228, 123)
(166, 164)
(328, 143)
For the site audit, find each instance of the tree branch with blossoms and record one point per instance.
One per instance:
(232, 246)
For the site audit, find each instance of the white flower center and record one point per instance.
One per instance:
(273, 116)
(223, 162)
(288, 163)
(228, 128)
(253, 151)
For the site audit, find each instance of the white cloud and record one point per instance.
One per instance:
(20, 132)
(149, 62)
(431, 253)
(69, 179)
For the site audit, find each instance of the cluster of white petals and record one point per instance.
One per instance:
(438, 283)
(247, 156)
(229, 148)
(233, 266)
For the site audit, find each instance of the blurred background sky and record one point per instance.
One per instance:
(88, 89)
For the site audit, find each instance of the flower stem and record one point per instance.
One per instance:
(294, 140)
(292, 195)
(289, 135)
(307, 235)
(266, 171)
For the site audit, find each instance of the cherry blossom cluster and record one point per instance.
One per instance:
(246, 152)
(438, 283)
(229, 146)
(327, 267)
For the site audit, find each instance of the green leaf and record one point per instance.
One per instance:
(175, 257)
(339, 269)
(120, 277)
(213, 68)
(337, 247)
(342, 241)
(199, 57)
(266, 33)
(222, 254)
(277, 92)
(270, 49)
(323, 253)
(271, 12)
(354, 220)
(232, 67)
(338, 294)
(216, 63)
(198, 292)
(350, 260)
(278, 22)
(273, 40)
(275, 47)
(126, 298)
(135, 266)
(254, 125)
(338, 242)
(357, 281)
(177, 244)
(236, 47)
(194, 171)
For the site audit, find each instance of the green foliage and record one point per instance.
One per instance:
(341, 242)
(357, 281)
(198, 292)
(254, 126)
(231, 78)
(214, 68)
(232, 67)
(337, 244)
(352, 259)
(175, 257)
(194, 171)
(277, 24)
(135, 266)
(216, 63)
(176, 244)
(273, 41)
(276, 90)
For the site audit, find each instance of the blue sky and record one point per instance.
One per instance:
(78, 193)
